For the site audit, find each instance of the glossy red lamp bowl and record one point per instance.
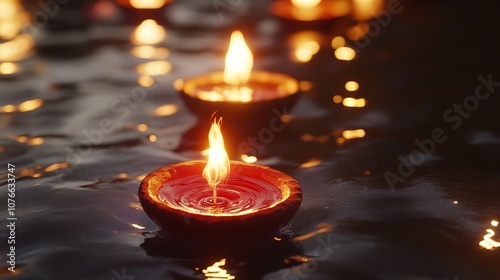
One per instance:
(254, 199)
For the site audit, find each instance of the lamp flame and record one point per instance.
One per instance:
(239, 61)
(147, 4)
(305, 3)
(217, 168)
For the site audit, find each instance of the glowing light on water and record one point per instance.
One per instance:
(354, 102)
(305, 3)
(311, 163)
(351, 134)
(8, 68)
(166, 110)
(149, 32)
(216, 272)
(337, 42)
(487, 242)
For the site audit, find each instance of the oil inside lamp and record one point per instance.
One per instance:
(238, 91)
(218, 195)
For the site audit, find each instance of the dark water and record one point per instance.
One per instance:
(408, 197)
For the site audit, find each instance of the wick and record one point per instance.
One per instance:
(214, 194)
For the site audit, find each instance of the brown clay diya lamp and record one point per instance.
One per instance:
(238, 93)
(218, 196)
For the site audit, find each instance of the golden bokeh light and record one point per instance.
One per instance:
(311, 163)
(337, 42)
(215, 272)
(30, 105)
(166, 110)
(149, 32)
(8, 68)
(351, 134)
(354, 102)
(345, 53)
(154, 68)
(351, 86)
(337, 99)
(152, 138)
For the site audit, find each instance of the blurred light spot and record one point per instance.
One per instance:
(179, 84)
(152, 138)
(337, 99)
(35, 141)
(149, 52)
(312, 138)
(340, 140)
(311, 163)
(56, 166)
(345, 53)
(215, 272)
(455, 202)
(358, 31)
(487, 242)
(248, 159)
(286, 118)
(366, 9)
(353, 102)
(8, 68)
(337, 42)
(305, 3)
(351, 134)
(367, 173)
(147, 4)
(205, 152)
(122, 175)
(149, 32)
(297, 258)
(135, 205)
(351, 86)
(22, 139)
(8, 108)
(30, 105)
(103, 9)
(142, 127)
(305, 85)
(277, 238)
(322, 228)
(145, 81)
(2, 149)
(166, 110)
(305, 45)
(137, 226)
(154, 68)
(17, 48)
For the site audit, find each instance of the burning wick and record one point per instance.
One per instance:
(217, 168)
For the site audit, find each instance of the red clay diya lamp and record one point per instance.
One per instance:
(310, 11)
(239, 93)
(219, 197)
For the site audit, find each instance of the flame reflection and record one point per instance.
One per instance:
(248, 159)
(149, 32)
(166, 110)
(487, 242)
(354, 102)
(25, 106)
(215, 272)
(351, 86)
(305, 45)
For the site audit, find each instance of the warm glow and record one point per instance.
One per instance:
(17, 48)
(8, 68)
(239, 61)
(217, 168)
(358, 31)
(30, 105)
(137, 226)
(337, 99)
(166, 110)
(311, 163)
(215, 272)
(146, 81)
(353, 102)
(148, 33)
(351, 134)
(142, 127)
(351, 86)
(487, 242)
(366, 9)
(345, 53)
(305, 3)
(152, 138)
(154, 68)
(149, 52)
(337, 42)
(248, 159)
(305, 45)
(36, 141)
(147, 4)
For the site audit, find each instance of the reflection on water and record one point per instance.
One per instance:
(488, 242)
(25, 106)
(351, 86)
(354, 102)
(8, 68)
(216, 272)
(166, 110)
(149, 32)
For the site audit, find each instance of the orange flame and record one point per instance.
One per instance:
(217, 168)
(147, 4)
(305, 3)
(239, 61)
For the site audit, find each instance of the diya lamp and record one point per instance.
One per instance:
(219, 197)
(239, 94)
(309, 14)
